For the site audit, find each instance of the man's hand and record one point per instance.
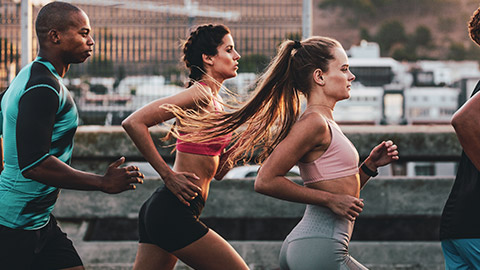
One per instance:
(117, 179)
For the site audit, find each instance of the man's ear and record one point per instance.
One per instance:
(207, 59)
(318, 77)
(54, 36)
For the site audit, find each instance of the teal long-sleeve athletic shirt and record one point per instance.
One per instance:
(38, 118)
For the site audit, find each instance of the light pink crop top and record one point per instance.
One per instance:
(339, 160)
(210, 148)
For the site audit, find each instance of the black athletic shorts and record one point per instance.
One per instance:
(47, 248)
(168, 223)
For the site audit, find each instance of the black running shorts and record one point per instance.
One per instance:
(168, 223)
(44, 249)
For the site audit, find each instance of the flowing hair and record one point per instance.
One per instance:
(269, 114)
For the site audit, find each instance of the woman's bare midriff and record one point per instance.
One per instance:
(348, 185)
(202, 166)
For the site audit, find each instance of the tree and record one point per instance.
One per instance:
(389, 34)
(402, 53)
(422, 36)
(364, 34)
(457, 51)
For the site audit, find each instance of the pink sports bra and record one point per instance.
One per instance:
(210, 148)
(339, 160)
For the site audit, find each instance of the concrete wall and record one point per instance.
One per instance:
(394, 206)
(392, 198)
(97, 146)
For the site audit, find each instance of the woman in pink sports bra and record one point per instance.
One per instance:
(329, 164)
(328, 161)
(169, 225)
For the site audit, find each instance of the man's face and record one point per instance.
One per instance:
(76, 43)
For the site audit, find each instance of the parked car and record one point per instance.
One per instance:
(235, 173)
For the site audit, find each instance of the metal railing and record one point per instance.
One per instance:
(143, 38)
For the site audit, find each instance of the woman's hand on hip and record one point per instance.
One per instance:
(346, 206)
(182, 186)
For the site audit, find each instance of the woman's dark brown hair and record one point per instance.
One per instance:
(203, 40)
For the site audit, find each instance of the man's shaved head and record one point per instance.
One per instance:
(55, 15)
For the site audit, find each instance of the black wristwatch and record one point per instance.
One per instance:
(367, 171)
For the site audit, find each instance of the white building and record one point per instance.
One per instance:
(363, 107)
(426, 105)
(141, 85)
(447, 72)
(365, 50)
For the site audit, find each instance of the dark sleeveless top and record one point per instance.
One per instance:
(461, 214)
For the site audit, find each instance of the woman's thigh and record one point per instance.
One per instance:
(211, 252)
(310, 254)
(316, 253)
(150, 257)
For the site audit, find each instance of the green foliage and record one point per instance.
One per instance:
(457, 51)
(364, 34)
(253, 63)
(422, 36)
(402, 53)
(473, 52)
(389, 34)
(395, 42)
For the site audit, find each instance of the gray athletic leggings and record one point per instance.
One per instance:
(319, 241)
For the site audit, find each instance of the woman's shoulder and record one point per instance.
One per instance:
(312, 126)
(314, 120)
(200, 94)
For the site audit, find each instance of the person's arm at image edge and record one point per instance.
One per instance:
(466, 122)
